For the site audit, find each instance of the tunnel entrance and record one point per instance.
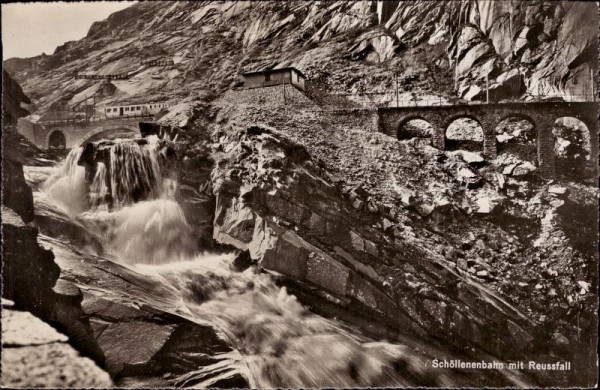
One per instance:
(57, 141)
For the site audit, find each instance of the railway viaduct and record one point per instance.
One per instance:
(72, 133)
(541, 115)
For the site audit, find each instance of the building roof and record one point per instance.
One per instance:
(289, 68)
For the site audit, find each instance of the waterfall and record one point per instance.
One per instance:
(99, 189)
(129, 202)
(67, 185)
(135, 171)
(282, 343)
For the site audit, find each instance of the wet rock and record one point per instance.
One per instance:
(16, 194)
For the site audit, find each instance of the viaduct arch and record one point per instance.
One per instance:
(542, 116)
(72, 134)
(57, 140)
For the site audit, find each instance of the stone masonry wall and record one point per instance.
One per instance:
(277, 95)
(364, 119)
(541, 115)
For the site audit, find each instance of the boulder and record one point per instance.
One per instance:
(471, 158)
(523, 169)
(557, 190)
(406, 196)
(35, 355)
(469, 178)
(504, 137)
(488, 204)
(508, 170)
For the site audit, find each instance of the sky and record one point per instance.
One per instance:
(32, 28)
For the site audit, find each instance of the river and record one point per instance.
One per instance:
(131, 216)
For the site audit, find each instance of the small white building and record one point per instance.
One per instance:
(268, 78)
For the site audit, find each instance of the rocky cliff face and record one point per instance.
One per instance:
(273, 201)
(520, 47)
(490, 220)
(290, 214)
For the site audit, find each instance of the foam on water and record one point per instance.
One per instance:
(67, 184)
(281, 341)
(150, 232)
(130, 205)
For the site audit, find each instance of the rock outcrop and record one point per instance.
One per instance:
(35, 355)
(274, 202)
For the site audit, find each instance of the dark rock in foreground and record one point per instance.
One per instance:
(125, 321)
(35, 355)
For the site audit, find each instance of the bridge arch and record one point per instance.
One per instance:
(102, 132)
(516, 134)
(469, 136)
(415, 126)
(575, 147)
(56, 139)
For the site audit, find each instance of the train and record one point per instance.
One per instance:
(135, 110)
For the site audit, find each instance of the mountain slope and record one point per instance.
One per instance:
(342, 44)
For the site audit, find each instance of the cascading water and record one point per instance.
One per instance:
(135, 171)
(132, 204)
(283, 344)
(99, 189)
(67, 185)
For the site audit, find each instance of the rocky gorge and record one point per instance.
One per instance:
(246, 244)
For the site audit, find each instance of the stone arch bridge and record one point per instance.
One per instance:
(68, 133)
(542, 115)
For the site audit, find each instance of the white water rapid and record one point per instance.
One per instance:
(134, 209)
